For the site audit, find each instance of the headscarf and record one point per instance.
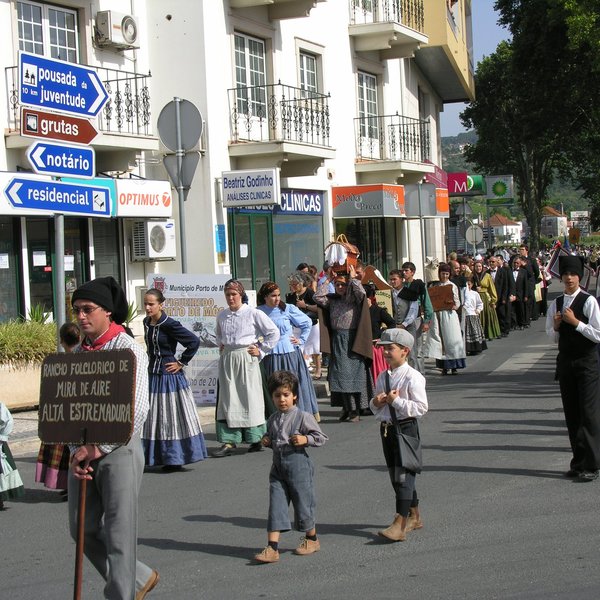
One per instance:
(236, 285)
(265, 289)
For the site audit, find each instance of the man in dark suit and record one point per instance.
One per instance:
(520, 318)
(502, 280)
(533, 274)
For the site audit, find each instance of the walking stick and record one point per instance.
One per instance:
(80, 535)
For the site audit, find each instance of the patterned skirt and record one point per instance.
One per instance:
(349, 373)
(474, 338)
(11, 485)
(172, 434)
(294, 362)
(52, 467)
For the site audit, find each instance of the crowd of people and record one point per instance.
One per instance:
(269, 357)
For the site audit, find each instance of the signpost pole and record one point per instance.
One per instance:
(489, 225)
(80, 541)
(180, 188)
(59, 274)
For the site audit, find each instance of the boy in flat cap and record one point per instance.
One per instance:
(115, 472)
(400, 389)
(573, 321)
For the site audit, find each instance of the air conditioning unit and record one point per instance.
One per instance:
(153, 240)
(116, 30)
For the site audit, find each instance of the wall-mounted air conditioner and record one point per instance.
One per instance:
(153, 240)
(116, 30)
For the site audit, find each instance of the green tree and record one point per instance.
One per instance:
(533, 114)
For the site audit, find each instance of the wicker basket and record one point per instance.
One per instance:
(350, 250)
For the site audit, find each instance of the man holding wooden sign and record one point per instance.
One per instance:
(105, 397)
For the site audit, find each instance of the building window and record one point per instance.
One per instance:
(308, 72)
(250, 75)
(47, 30)
(367, 105)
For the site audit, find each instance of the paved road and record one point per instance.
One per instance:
(501, 521)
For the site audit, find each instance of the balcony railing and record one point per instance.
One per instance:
(278, 112)
(127, 110)
(405, 12)
(392, 138)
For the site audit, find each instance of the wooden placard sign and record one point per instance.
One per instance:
(441, 297)
(87, 396)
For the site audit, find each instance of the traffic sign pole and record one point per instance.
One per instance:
(180, 191)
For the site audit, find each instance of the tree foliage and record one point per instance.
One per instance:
(534, 113)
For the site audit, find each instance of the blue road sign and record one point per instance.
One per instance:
(59, 85)
(57, 196)
(62, 160)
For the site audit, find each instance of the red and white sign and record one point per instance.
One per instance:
(143, 198)
(52, 126)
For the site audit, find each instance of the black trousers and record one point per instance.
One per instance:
(578, 379)
(519, 313)
(504, 316)
(406, 494)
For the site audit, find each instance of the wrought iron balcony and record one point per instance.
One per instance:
(409, 13)
(126, 112)
(392, 138)
(278, 112)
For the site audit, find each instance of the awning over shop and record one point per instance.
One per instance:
(368, 201)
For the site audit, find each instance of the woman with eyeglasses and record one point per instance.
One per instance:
(172, 435)
(245, 336)
(287, 354)
(346, 335)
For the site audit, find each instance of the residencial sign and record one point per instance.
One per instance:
(59, 85)
(364, 201)
(62, 160)
(58, 196)
(54, 126)
(250, 187)
(143, 198)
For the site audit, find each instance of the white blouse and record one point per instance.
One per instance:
(243, 327)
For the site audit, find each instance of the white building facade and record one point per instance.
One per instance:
(339, 99)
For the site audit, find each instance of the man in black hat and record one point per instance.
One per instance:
(115, 472)
(574, 321)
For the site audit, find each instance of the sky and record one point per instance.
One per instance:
(487, 34)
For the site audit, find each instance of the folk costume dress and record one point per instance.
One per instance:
(347, 337)
(313, 343)
(172, 434)
(444, 339)
(11, 485)
(52, 466)
(474, 338)
(241, 405)
(287, 356)
(488, 316)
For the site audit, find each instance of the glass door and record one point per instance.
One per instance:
(251, 238)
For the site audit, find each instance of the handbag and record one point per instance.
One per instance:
(409, 447)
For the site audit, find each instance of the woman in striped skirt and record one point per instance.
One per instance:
(172, 435)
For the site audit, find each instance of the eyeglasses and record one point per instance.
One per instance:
(86, 310)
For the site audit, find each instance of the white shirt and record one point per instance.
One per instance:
(591, 330)
(473, 303)
(412, 398)
(241, 328)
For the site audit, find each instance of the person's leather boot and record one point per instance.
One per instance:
(414, 519)
(397, 530)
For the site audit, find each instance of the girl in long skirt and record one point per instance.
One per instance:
(172, 435)
(287, 354)
(11, 485)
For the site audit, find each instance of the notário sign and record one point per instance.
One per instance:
(87, 397)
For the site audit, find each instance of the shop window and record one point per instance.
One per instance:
(48, 30)
(106, 248)
(9, 297)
